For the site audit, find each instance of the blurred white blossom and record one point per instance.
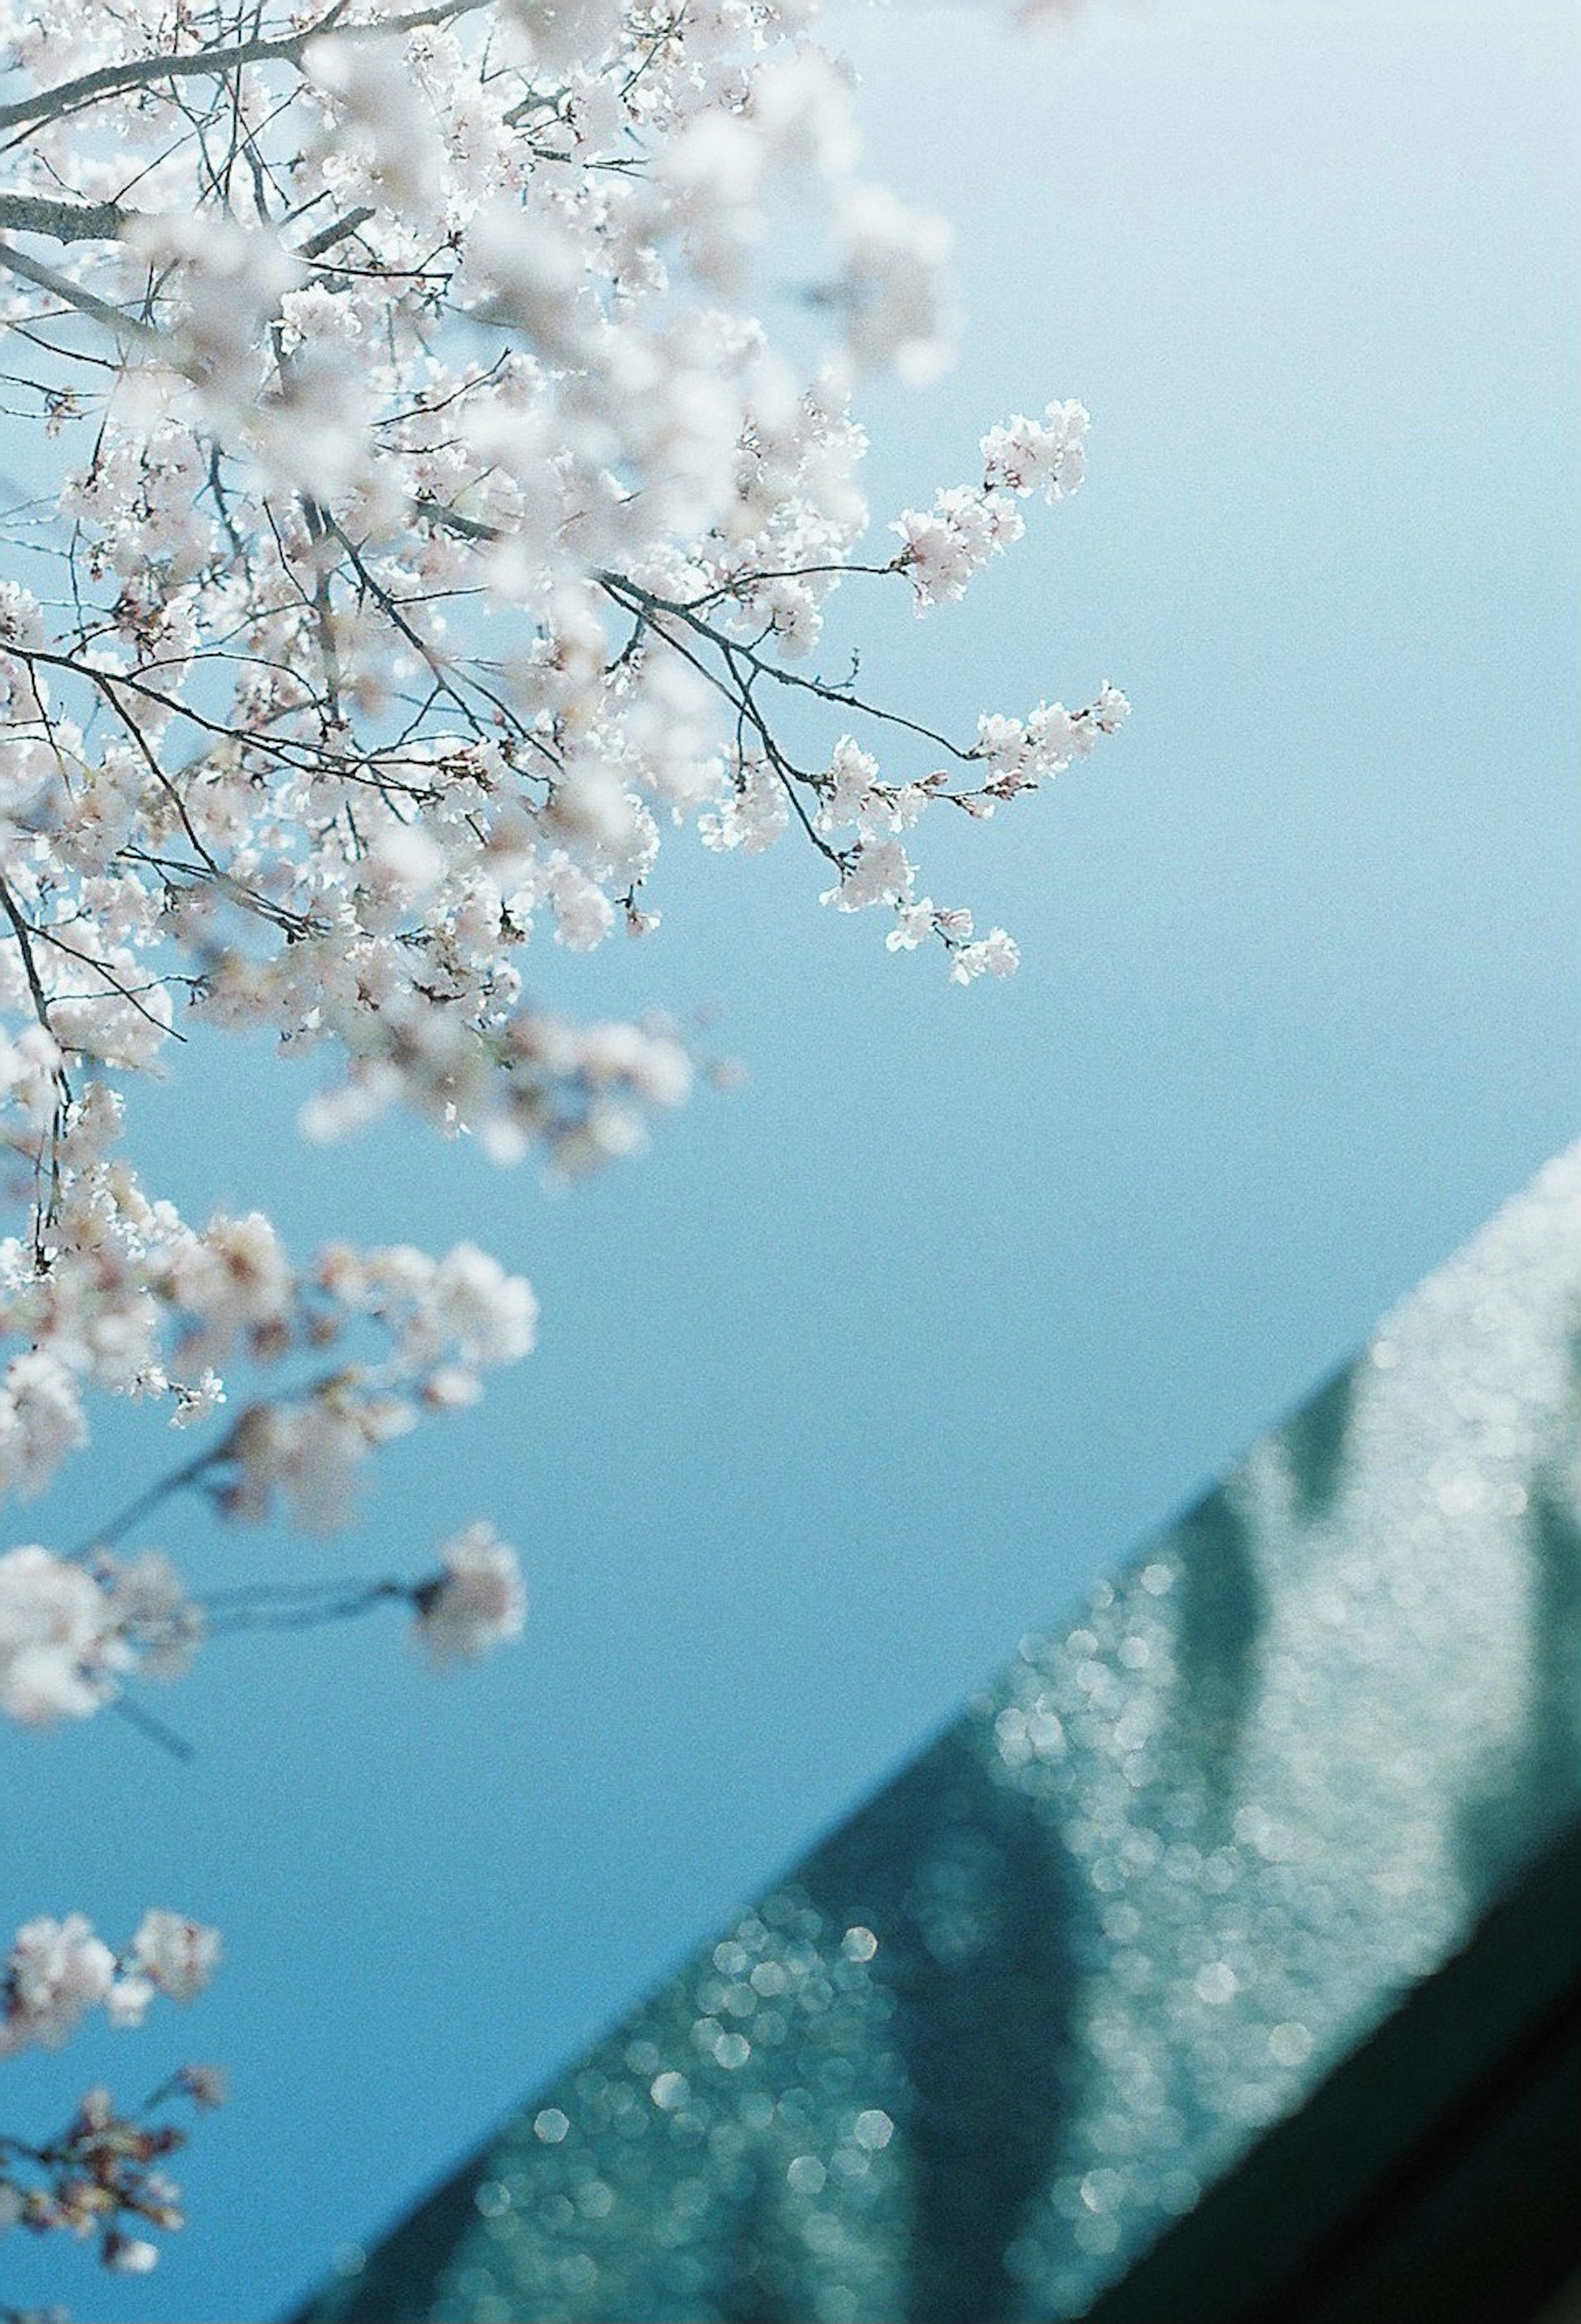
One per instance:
(476, 1602)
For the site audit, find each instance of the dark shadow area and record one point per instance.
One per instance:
(1316, 1443)
(1529, 1790)
(1554, 1536)
(1223, 1608)
(1432, 2179)
(758, 2283)
(972, 1896)
(396, 2283)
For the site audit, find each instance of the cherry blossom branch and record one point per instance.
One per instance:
(63, 221)
(217, 62)
(437, 533)
(97, 2175)
(71, 294)
(143, 1504)
(335, 231)
(633, 596)
(23, 934)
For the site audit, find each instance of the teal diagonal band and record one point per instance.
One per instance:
(1009, 2044)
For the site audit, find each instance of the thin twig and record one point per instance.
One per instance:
(99, 310)
(108, 80)
(154, 1728)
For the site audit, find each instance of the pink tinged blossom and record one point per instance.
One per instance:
(312, 1451)
(1054, 739)
(55, 1973)
(21, 620)
(31, 1065)
(652, 1063)
(876, 872)
(235, 1278)
(152, 1612)
(996, 955)
(752, 815)
(896, 287)
(1026, 456)
(1003, 744)
(40, 1420)
(175, 1955)
(58, 1638)
(403, 867)
(96, 2109)
(564, 34)
(944, 547)
(713, 174)
(381, 103)
(451, 1388)
(475, 1603)
(848, 786)
(58, 1971)
(583, 914)
(490, 1317)
(914, 925)
(196, 1400)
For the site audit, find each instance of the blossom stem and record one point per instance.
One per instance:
(157, 1493)
(154, 1728)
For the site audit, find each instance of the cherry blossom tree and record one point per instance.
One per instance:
(437, 531)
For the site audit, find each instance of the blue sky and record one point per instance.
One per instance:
(866, 1368)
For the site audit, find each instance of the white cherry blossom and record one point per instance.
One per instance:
(176, 1956)
(476, 1602)
(55, 1973)
(58, 1638)
(442, 540)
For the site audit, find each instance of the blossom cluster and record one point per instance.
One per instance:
(447, 488)
(437, 527)
(72, 1630)
(438, 530)
(98, 2175)
(56, 1971)
(944, 547)
(101, 2176)
(115, 1291)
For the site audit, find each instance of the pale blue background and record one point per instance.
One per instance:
(867, 1369)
